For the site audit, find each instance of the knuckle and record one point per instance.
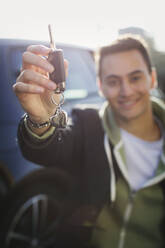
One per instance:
(19, 77)
(30, 47)
(26, 75)
(25, 56)
(36, 48)
(15, 88)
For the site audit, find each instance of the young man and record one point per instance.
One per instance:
(116, 156)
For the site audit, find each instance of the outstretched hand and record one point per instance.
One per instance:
(33, 86)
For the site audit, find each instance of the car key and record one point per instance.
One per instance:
(57, 60)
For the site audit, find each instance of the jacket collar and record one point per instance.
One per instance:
(109, 124)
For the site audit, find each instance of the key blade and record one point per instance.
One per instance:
(52, 43)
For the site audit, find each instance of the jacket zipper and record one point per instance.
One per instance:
(126, 218)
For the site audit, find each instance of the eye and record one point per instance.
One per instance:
(135, 79)
(113, 82)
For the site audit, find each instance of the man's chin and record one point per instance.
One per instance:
(127, 117)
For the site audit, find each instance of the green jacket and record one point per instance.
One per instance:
(135, 218)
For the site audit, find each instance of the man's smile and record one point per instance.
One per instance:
(128, 104)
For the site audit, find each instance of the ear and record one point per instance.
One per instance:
(100, 88)
(154, 81)
(99, 83)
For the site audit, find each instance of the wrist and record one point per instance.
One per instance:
(38, 133)
(34, 127)
(34, 124)
(58, 120)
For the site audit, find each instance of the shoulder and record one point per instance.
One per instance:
(85, 111)
(88, 119)
(85, 114)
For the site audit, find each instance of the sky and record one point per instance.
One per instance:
(90, 23)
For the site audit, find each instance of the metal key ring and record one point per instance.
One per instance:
(61, 100)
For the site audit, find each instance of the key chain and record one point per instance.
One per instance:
(59, 119)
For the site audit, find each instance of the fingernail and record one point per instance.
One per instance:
(50, 68)
(51, 85)
(45, 48)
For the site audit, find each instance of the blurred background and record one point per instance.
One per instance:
(90, 23)
(87, 23)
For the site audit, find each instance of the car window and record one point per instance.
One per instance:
(81, 74)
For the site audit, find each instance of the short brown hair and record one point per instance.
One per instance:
(122, 44)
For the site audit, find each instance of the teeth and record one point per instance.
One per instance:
(127, 103)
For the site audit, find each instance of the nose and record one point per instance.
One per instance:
(125, 89)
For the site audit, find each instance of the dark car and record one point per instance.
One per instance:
(80, 89)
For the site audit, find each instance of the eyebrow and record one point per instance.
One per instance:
(117, 76)
(135, 72)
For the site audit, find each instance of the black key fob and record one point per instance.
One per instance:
(56, 58)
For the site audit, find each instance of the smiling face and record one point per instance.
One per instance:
(126, 82)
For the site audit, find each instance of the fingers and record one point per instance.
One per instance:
(32, 77)
(39, 49)
(21, 87)
(31, 59)
(35, 69)
(35, 57)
